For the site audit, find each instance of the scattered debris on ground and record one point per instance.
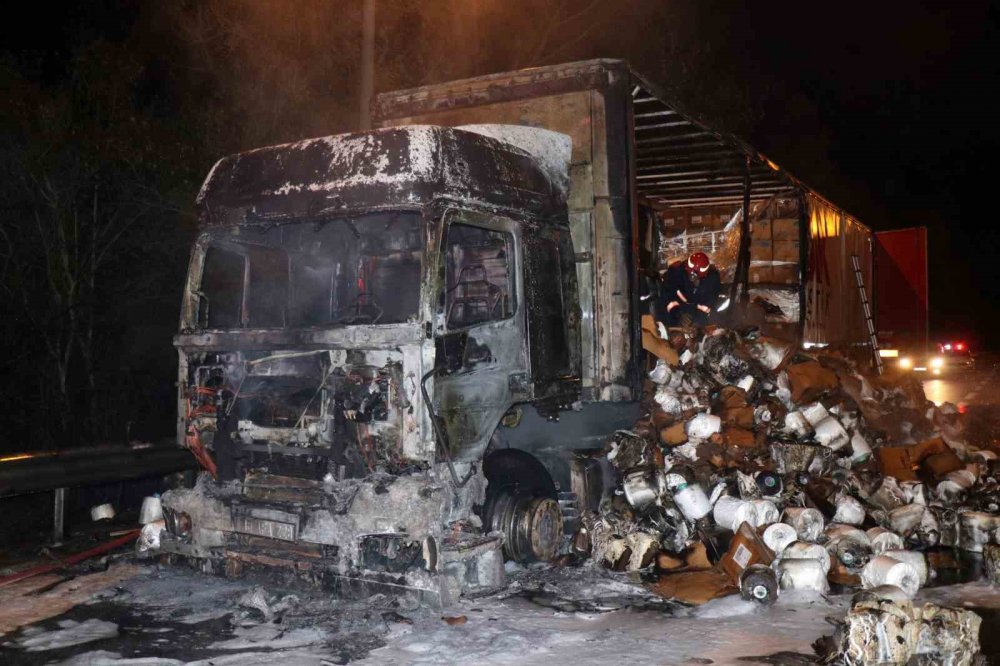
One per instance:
(762, 487)
(758, 468)
(881, 630)
(33, 600)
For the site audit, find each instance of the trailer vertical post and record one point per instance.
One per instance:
(744, 262)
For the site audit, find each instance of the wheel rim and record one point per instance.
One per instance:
(531, 526)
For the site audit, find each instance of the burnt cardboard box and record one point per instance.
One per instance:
(746, 548)
(809, 380)
(761, 250)
(785, 250)
(902, 462)
(761, 229)
(735, 435)
(761, 275)
(654, 344)
(674, 435)
(785, 229)
(785, 273)
(694, 587)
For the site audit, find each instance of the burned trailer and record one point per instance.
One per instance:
(650, 181)
(798, 274)
(642, 167)
(360, 312)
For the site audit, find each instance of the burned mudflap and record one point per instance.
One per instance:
(412, 535)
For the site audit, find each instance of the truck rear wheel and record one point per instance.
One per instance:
(521, 504)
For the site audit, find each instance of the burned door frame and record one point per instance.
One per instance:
(482, 368)
(553, 316)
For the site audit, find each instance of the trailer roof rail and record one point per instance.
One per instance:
(668, 137)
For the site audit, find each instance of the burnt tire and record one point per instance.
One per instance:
(521, 504)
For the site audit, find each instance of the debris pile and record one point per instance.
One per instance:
(879, 629)
(759, 468)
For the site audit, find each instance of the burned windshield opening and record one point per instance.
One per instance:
(313, 273)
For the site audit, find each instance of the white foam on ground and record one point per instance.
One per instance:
(731, 606)
(518, 632)
(272, 636)
(70, 632)
(105, 658)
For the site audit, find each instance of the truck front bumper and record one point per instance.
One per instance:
(356, 537)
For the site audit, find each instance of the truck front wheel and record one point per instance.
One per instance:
(521, 505)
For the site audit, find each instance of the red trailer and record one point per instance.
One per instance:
(901, 299)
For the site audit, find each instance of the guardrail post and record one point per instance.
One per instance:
(59, 517)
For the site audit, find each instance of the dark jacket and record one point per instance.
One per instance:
(677, 280)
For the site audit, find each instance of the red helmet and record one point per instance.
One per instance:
(698, 265)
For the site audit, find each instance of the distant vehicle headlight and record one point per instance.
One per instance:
(906, 363)
(937, 363)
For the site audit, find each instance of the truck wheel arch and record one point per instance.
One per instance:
(522, 504)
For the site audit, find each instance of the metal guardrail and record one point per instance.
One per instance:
(43, 471)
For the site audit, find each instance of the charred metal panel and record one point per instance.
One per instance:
(395, 553)
(497, 88)
(582, 232)
(351, 337)
(418, 505)
(479, 363)
(581, 100)
(554, 442)
(384, 530)
(833, 308)
(552, 316)
(612, 238)
(391, 168)
(272, 488)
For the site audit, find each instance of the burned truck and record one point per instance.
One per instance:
(362, 312)
(401, 349)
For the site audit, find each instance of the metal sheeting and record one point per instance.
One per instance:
(681, 162)
(901, 287)
(833, 302)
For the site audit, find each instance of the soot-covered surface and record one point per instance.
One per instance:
(172, 616)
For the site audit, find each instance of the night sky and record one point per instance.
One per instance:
(889, 109)
(898, 121)
(907, 96)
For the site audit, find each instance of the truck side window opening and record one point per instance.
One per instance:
(267, 289)
(479, 283)
(222, 288)
(547, 316)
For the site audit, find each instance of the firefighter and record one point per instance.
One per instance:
(689, 292)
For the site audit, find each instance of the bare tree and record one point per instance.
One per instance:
(270, 70)
(78, 200)
(560, 28)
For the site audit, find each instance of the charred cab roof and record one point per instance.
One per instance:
(388, 168)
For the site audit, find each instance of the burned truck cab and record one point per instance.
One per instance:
(361, 313)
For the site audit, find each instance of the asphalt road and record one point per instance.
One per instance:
(970, 389)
